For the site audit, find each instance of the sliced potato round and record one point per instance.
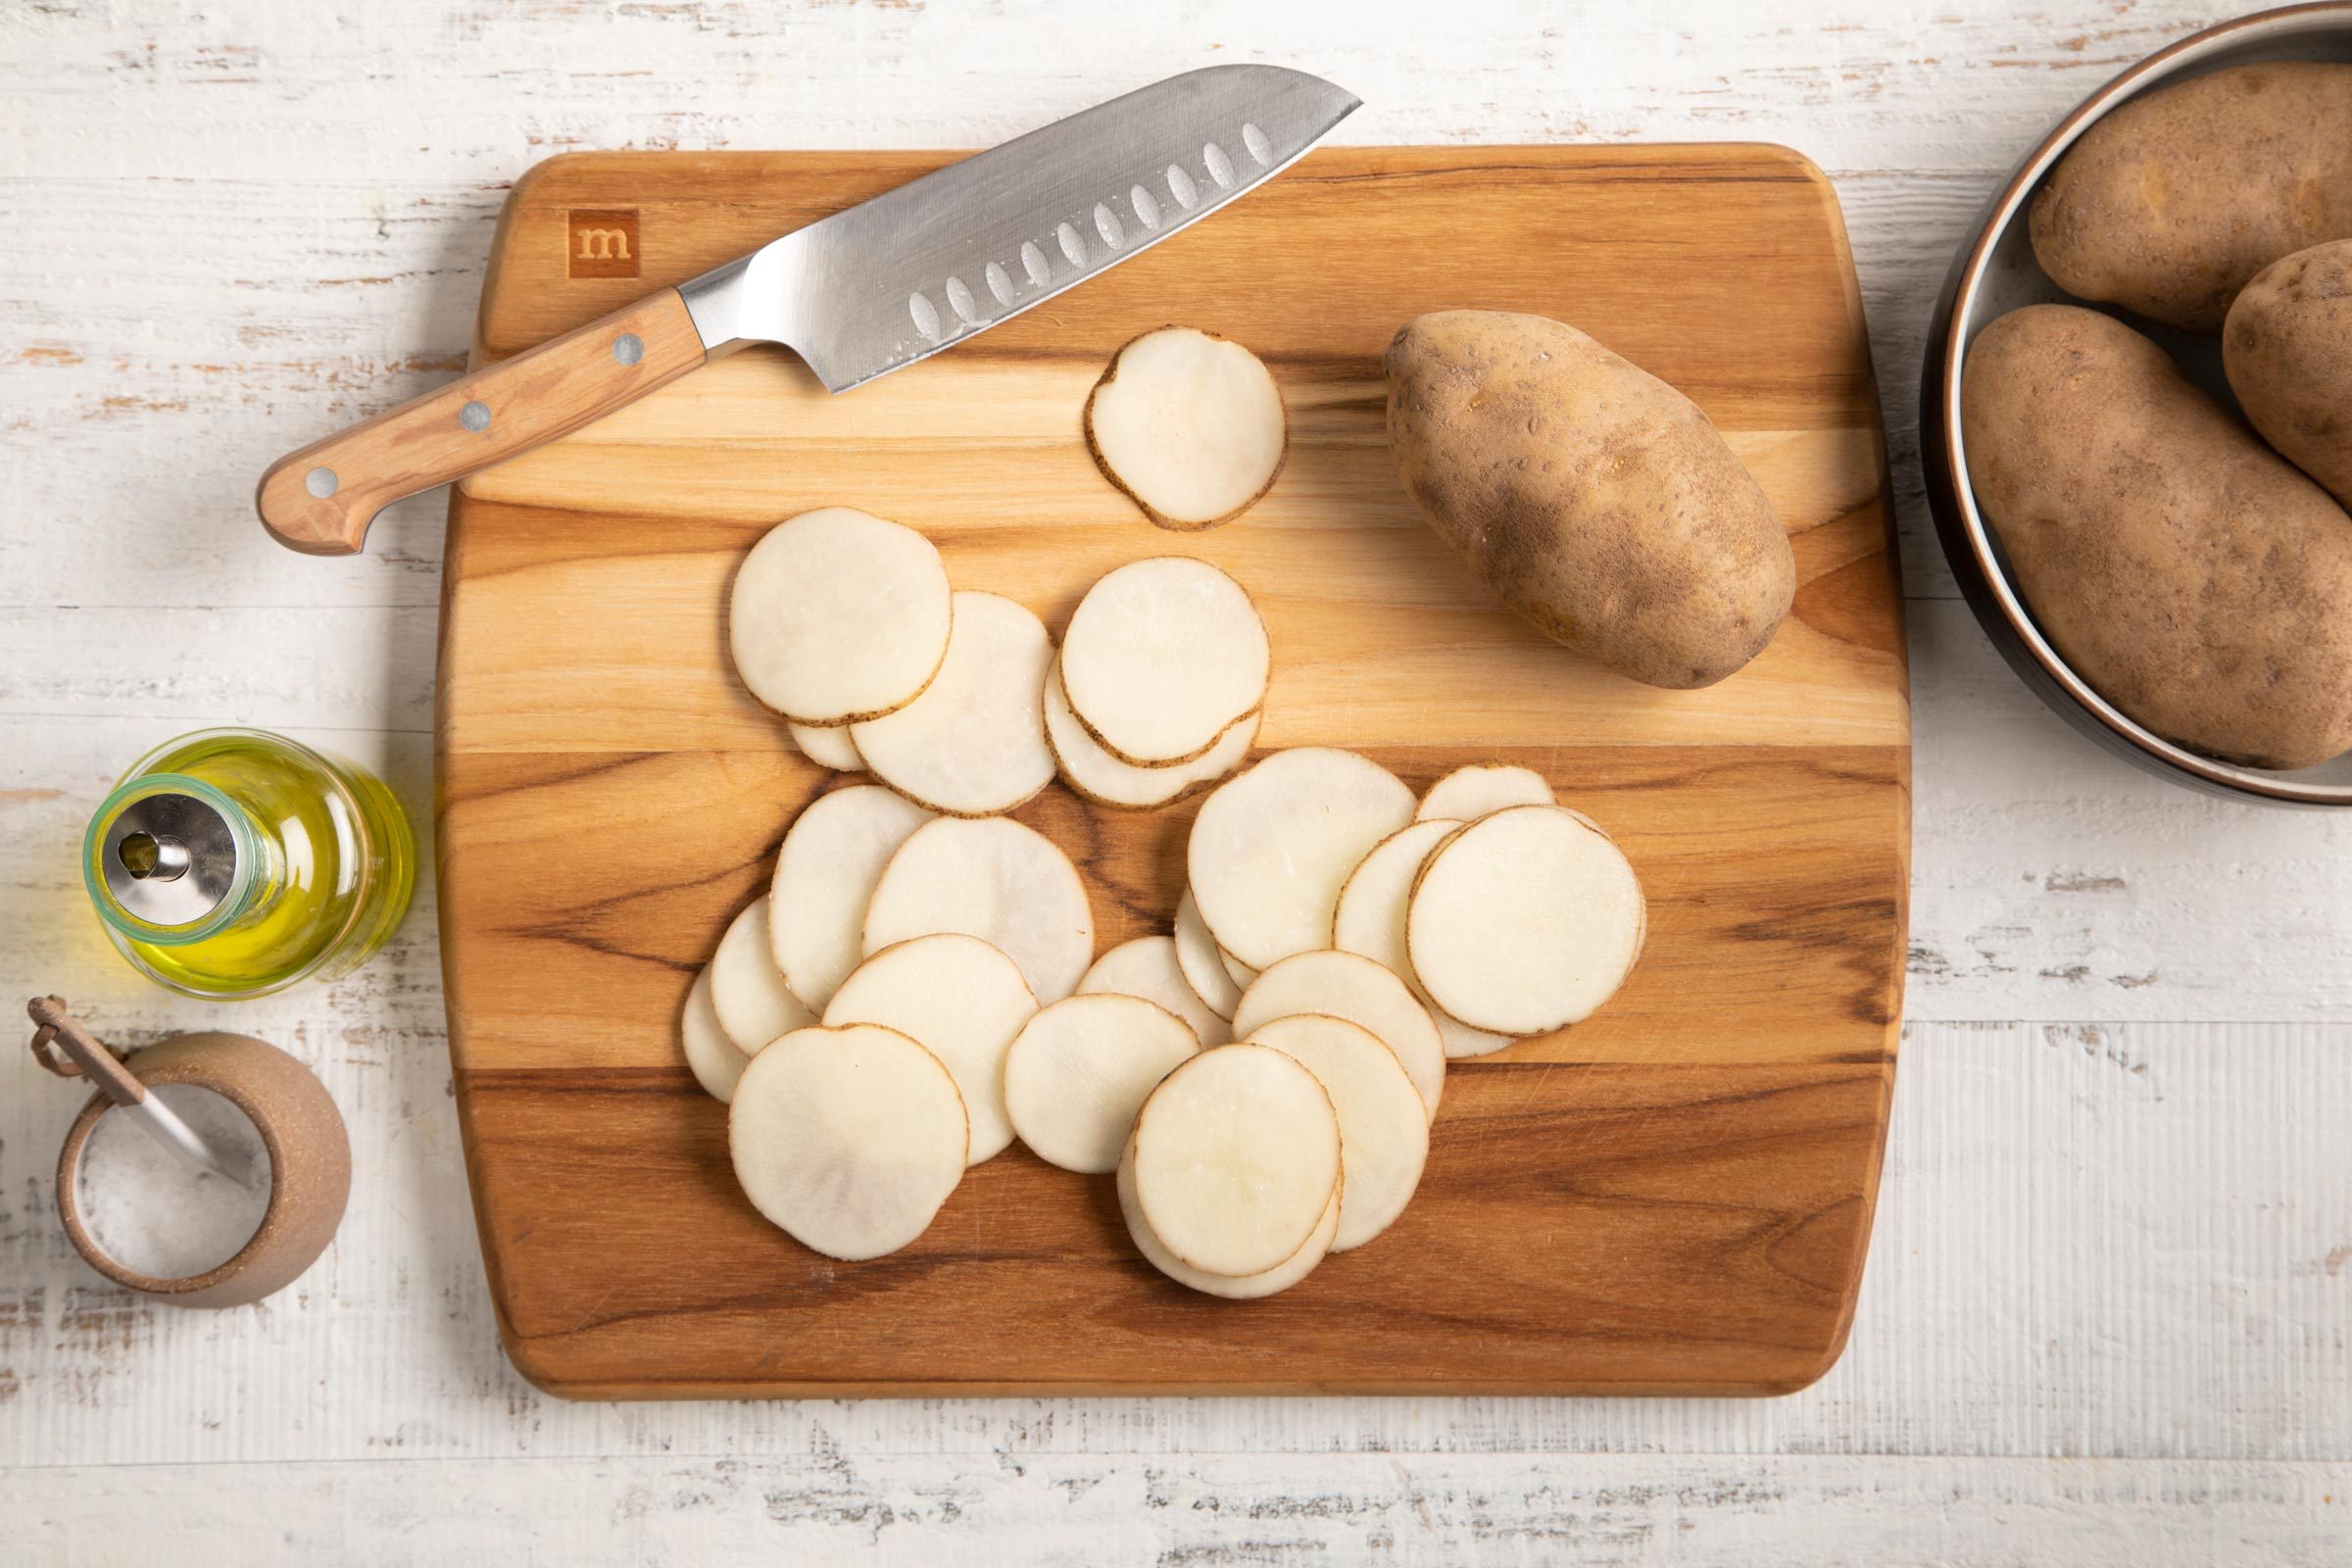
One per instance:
(837, 616)
(989, 878)
(1351, 986)
(1370, 920)
(1079, 1070)
(1525, 920)
(1249, 1287)
(1202, 960)
(1162, 657)
(716, 1062)
(832, 857)
(1482, 788)
(1272, 848)
(1237, 1153)
(958, 998)
(849, 1140)
(1384, 1130)
(827, 748)
(1147, 967)
(1103, 778)
(1189, 425)
(747, 990)
(974, 742)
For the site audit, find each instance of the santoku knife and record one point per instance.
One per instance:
(858, 295)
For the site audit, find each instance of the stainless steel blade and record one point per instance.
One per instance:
(900, 277)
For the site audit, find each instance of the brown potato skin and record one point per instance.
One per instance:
(2171, 202)
(2179, 566)
(1595, 499)
(2288, 350)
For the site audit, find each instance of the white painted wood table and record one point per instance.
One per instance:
(2108, 1315)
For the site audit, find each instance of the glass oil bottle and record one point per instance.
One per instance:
(233, 863)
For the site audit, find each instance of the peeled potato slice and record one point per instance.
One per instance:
(712, 1057)
(1248, 1287)
(1103, 778)
(1384, 1130)
(1237, 1153)
(1350, 986)
(992, 878)
(1190, 426)
(849, 1140)
(1147, 967)
(1161, 657)
(958, 998)
(1272, 848)
(1525, 921)
(838, 615)
(1202, 960)
(1079, 1070)
(827, 748)
(1481, 789)
(832, 857)
(974, 742)
(1370, 920)
(747, 991)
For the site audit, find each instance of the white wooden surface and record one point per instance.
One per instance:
(2108, 1317)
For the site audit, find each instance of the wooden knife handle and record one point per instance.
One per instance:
(322, 498)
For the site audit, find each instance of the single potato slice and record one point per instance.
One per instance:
(711, 1055)
(747, 990)
(992, 878)
(958, 998)
(849, 1140)
(1147, 967)
(1354, 987)
(1481, 789)
(833, 856)
(1271, 848)
(1597, 501)
(1097, 776)
(1370, 920)
(1525, 921)
(827, 748)
(1202, 960)
(1237, 1153)
(1384, 1127)
(974, 743)
(837, 616)
(1079, 1070)
(1249, 1287)
(1162, 657)
(2288, 348)
(1189, 425)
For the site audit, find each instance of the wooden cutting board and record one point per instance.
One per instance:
(1674, 1196)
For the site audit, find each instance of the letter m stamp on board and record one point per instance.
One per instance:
(602, 244)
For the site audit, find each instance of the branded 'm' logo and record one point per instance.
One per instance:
(603, 244)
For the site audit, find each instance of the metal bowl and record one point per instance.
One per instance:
(1996, 273)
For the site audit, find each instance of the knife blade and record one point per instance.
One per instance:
(867, 291)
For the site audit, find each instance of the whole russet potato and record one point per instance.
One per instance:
(2288, 348)
(2171, 202)
(1595, 499)
(2183, 569)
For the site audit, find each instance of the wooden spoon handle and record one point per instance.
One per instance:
(322, 498)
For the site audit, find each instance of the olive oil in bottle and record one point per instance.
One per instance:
(232, 862)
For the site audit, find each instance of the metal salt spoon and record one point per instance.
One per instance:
(93, 1058)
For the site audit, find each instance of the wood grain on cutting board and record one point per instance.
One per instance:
(1673, 1196)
